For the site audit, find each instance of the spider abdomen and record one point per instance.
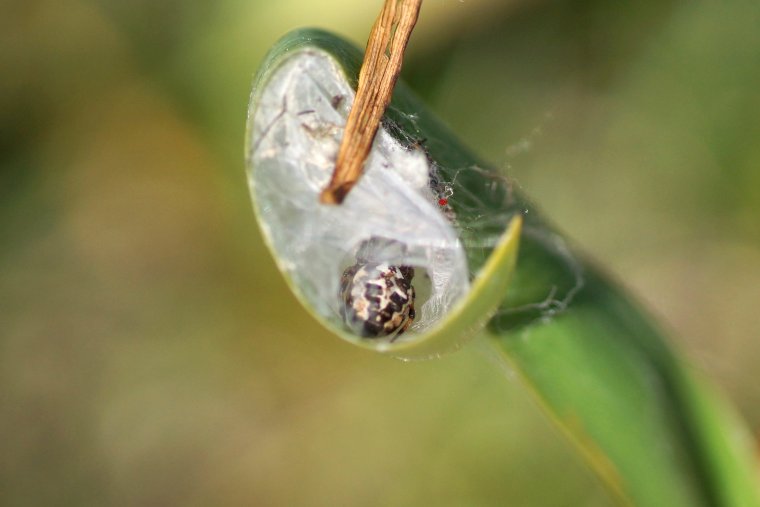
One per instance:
(378, 299)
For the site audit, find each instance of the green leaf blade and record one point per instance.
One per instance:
(608, 377)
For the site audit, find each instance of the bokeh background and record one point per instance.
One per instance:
(150, 354)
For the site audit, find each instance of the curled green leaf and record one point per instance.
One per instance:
(603, 371)
(411, 220)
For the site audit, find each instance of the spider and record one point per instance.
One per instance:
(377, 297)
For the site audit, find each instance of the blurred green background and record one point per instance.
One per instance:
(150, 354)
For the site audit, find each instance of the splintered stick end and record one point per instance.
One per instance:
(377, 78)
(334, 194)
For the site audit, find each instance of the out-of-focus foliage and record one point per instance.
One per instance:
(150, 352)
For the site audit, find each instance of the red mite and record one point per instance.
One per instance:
(443, 202)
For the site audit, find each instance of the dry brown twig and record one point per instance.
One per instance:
(377, 78)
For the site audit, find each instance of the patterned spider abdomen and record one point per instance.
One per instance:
(378, 299)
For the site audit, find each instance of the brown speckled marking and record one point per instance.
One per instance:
(378, 299)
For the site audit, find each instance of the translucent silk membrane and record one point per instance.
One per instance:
(395, 215)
